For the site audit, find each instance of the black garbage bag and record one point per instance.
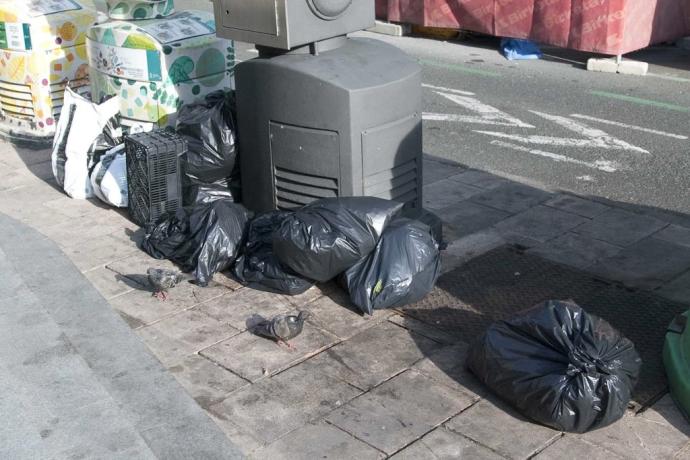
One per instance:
(559, 366)
(432, 220)
(402, 270)
(211, 161)
(257, 266)
(204, 240)
(326, 237)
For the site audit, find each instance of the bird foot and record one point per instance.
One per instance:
(160, 295)
(287, 345)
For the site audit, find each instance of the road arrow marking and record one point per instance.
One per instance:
(601, 165)
(594, 138)
(488, 115)
(633, 127)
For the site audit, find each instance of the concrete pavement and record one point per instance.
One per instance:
(356, 387)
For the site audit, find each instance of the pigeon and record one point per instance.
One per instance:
(282, 328)
(161, 280)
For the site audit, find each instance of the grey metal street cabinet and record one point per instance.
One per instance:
(335, 117)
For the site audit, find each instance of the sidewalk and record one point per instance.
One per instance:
(358, 387)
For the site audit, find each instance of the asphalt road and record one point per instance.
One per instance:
(551, 123)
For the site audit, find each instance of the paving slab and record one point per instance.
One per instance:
(540, 223)
(435, 170)
(97, 252)
(447, 366)
(512, 197)
(278, 405)
(184, 333)
(318, 440)
(621, 228)
(464, 249)
(73, 231)
(659, 432)
(446, 192)
(310, 295)
(480, 179)
(253, 357)
(575, 250)
(205, 381)
(576, 205)
(677, 290)
(108, 283)
(399, 412)
(570, 447)
(646, 264)
(467, 217)
(498, 427)
(337, 315)
(239, 436)
(424, 329)
(238, 307)
(443, 444)
(675, 234)
(374, 355)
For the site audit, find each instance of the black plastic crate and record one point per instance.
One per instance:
(153, 175)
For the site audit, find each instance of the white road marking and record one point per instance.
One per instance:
(633, 127)
(601, 165)
(488, 115)
(447, 90)
(586, 178)
(594, 138)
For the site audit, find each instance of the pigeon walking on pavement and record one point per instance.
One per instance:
(282, 328)
(162, 280)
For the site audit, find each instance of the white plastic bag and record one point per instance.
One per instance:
(109, 177)
(81, 122)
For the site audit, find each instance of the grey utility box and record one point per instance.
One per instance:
(287, 24)
(345, 122)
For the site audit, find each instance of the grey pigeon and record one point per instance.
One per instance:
(162, 280)
(282, 328)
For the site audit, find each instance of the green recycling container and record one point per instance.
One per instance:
(676, 357)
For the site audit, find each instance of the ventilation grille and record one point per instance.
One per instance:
(16, 100)
(57, 93)
(295, 189)
(400, 183)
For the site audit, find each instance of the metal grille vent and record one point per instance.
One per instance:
(400, 183)
(295, 189)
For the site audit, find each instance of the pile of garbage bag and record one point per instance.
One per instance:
(559, 366)
(205, 239)
(210, 167)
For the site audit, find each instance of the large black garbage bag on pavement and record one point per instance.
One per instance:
(211, 164)
(259, 266)
(403, 268)
(432, 220)
(325, 238)
(205, 239)
(559, 366)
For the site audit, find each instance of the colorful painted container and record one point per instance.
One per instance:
(156, 66)
(42, 47)
(139, 9)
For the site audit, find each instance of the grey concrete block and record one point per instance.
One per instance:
(575, 250)
(388, 28)
(607, 65)
(319, 440)
(621, 228)
(629, 67)
(512, 197)
(577, 205)
(447, 366)
(480, 179)
(336, 314)
(184, 333)
(678, 289)
(675, 234)
(236, 308)
(659, 432)
(275, 406)
(445, 444)
(446, 192)
(374, 355)
(502, 430)
(467, 217)
(253, 357)
(570, 447)
(540, 223)
(647, 264)
(205, 381)
(399, 412)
